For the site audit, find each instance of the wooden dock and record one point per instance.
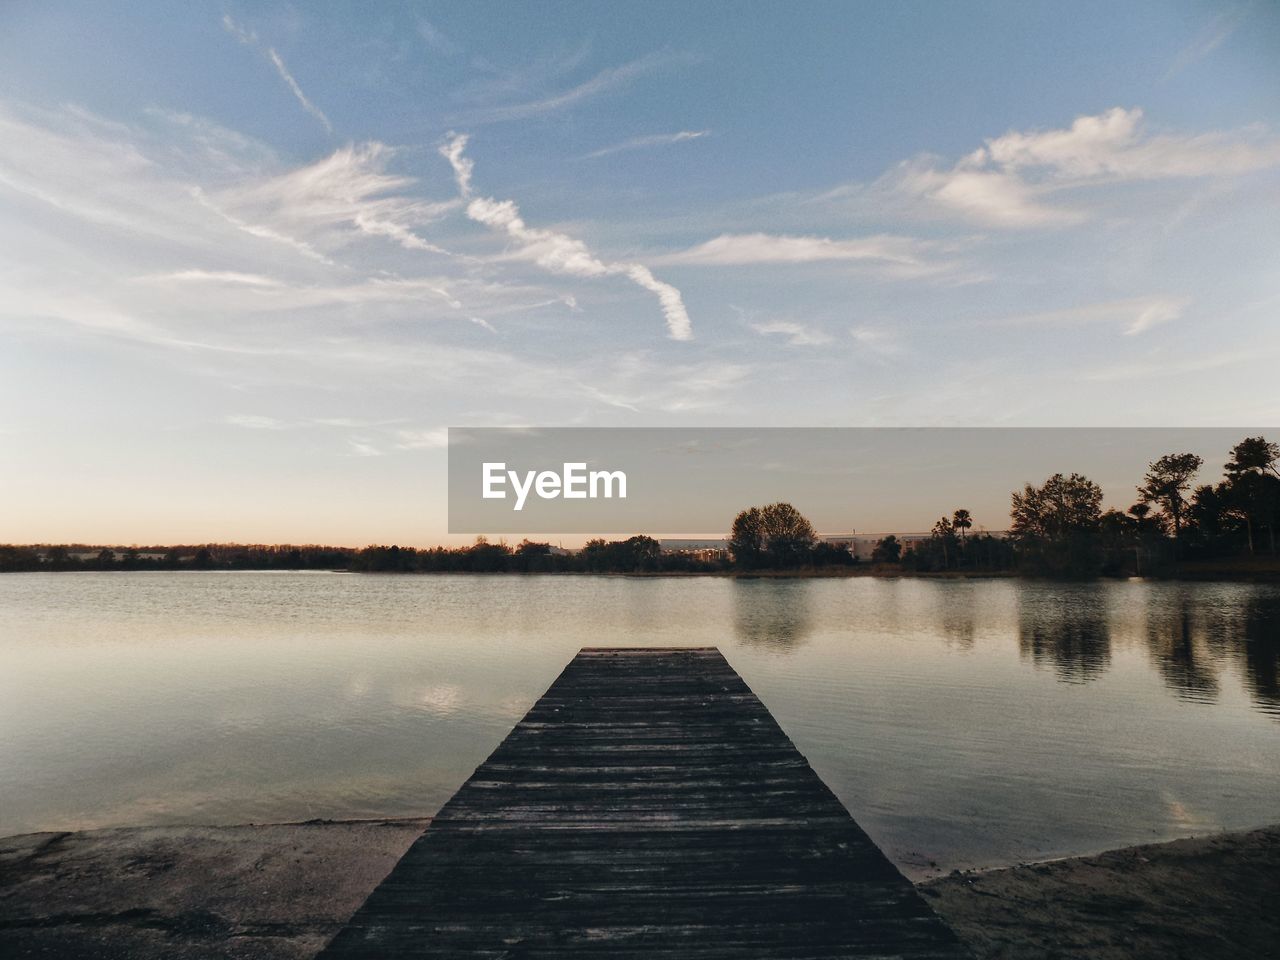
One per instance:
(647, 806)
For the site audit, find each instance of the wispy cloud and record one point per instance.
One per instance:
(1135, 315)
(350, 188)
(436, 438)
(1212, 36)
(452, 150)
(1011, 180)
(877, 341)
(251, 421)
(560, 253)
(211, 276)
(749, 249)
(261, 231)
(795, 334)
(651, 140)
(437, 39)
(603, 82)
(639, 381)
(200, 250)
(287, 77)
(250, 39)
(1171, 366)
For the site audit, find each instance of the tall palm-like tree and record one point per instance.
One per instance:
(962, 521)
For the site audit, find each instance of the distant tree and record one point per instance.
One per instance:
(1219, 518)
(776, 535)
(1167, 481)
(637, 554)
(1254, 455)
(1149, 530)
(15, 559)
(788, 536)
(1253, 485)
(1118, 535)
(961, 521)
(943, 536)
(1055, 526)
(634, 555)
(486, 557)
(746, 539)
(106, 559)
(531, 556)
(887, 550)
(831, 555)
(383, 559)
(594, 555)
(59, 558)
(989, 553)
(203, 559)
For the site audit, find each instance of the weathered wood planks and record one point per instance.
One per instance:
(647, 806)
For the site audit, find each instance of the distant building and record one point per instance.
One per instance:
(845, 540)
(709, 550)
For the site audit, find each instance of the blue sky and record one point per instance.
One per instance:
(254, 258)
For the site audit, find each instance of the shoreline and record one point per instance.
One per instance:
(1265, 574)
(280, 891)
(1207, 897)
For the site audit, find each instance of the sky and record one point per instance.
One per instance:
(256, 258)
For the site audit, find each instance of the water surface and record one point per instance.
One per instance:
(962, 722)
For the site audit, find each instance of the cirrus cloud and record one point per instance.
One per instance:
(749, 249)
(1011, 180)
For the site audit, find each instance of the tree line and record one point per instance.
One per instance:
(213, 556)
(639, 554)
(1057, 528)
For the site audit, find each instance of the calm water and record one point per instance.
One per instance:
(963, 723)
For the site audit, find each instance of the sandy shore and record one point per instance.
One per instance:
(1210, 898)
(278, 892)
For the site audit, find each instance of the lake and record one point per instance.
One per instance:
(963, 723)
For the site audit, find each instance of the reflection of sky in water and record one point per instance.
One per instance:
(965, 722)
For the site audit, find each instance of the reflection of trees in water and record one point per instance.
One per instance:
(777, 614)
(1176, 644)
(1192, 638)
(958, 617)
(1070, 633)
(1261, 653)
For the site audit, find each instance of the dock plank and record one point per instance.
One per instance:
(648, 805)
